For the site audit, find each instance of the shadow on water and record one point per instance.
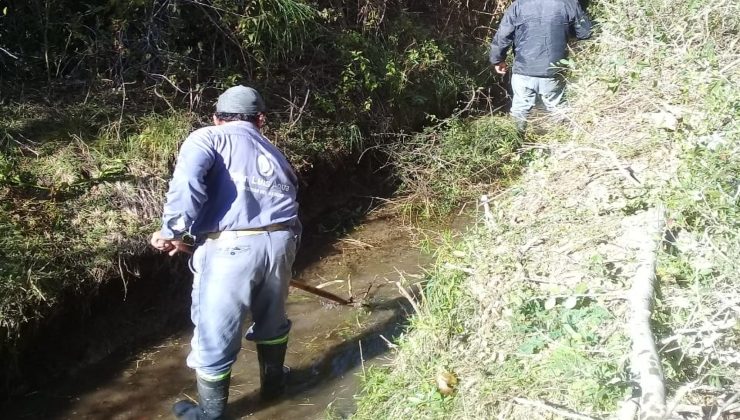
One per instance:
(334, 362)
(88, 344)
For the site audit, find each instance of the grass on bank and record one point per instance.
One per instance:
(81, 180)
(448, 163)
(80, 189)
(77, 191)
(525, 316)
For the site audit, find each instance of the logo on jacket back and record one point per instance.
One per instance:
(265, 166)
(264, 183)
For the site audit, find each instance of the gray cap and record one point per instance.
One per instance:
(240, 100)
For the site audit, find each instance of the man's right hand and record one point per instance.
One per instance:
(501, 68)
(170, 246)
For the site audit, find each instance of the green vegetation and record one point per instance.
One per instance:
(502, 334)
(527, 313)
(450, 162)
(97, 96)
(74, 202)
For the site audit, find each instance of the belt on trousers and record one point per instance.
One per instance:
(231, 234)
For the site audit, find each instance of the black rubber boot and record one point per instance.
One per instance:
(212, 398)
(272, 373)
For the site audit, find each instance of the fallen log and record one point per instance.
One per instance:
(645, 362)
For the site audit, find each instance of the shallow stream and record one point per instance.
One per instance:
(329, 346)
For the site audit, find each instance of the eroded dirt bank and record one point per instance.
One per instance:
(329, 344)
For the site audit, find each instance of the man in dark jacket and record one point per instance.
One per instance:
(539, 31)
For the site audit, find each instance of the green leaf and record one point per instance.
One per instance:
(566, 63)
(581, 288)
(532, 346)
(550, 303)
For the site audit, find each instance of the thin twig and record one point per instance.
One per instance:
(24, 146)
(465, 270)
(362, 358)
(294, 121)
(487, 215)
(388, 342)
(123, 278)
(349, 286)
(408, 297)
(356, 242)
(165, 78)
(328, 283)
(681, 393)
(8, 53)
(623, 169)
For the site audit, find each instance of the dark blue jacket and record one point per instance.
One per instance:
(539, 30)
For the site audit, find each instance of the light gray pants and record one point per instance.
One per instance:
(526, 89)
(232, 276)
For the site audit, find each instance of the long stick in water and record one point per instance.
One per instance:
(310, 289)
(318, 292)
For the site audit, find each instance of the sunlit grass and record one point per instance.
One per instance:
(511, 326)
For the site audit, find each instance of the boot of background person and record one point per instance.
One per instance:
(521, 127)
(271, 358)
(212, 398)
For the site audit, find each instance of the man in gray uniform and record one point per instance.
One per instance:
(539, 31)
(233, 196)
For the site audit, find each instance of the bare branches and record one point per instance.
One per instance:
(725, 406)
(296, 111)
(408, 297)
(606, 152)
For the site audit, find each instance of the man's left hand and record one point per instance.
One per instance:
(171, 246)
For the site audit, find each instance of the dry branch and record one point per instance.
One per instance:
(487, 215)
(9, 53)
(645, 362)
(408, 297)
(725, 406)
(624, 169)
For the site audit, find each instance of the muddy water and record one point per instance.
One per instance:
(329, 346)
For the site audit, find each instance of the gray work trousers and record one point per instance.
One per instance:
(526, 88)
(232, 277)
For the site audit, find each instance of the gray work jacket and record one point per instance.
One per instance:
(229, 177)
